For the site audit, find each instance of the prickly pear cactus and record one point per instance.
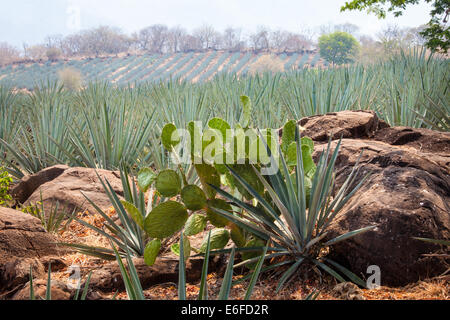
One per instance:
(166, 219)
(168, 183)
(193, 206)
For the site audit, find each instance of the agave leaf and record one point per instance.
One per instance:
(353, 277)
(228, 278)
(289, 272)
(255, 275)
(434, 241)
(181, 271)
(203, 293)
(348, 235)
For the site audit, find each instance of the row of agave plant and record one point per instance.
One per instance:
(280, 216)
(103, 125)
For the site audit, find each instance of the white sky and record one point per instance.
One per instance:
(30, 20)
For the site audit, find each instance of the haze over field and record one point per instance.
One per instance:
(30, 21)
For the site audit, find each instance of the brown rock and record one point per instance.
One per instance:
(22, 241)
(424, 140)
(68, 188)
(22, 235)
(108, 278)
(348, 124)
(28, 184)
(16, 272)
(348, 291)
(59, 291)
(407, 195)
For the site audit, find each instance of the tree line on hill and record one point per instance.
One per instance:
(158, 38)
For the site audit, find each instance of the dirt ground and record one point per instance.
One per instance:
(429, 289)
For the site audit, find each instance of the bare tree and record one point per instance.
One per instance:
(8, 53)
(153, 38)
(297, 42)
(391, 38)
(260, 39)
(232, 39)
(37, 52)
(104, 40)
(278, 40)
(175, 38)
(347, 27)
(190, 43)
(208, 37)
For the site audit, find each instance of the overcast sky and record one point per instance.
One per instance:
(30, 21)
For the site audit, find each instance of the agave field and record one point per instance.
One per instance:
(104, 126)
(131, 69)
(281, 217)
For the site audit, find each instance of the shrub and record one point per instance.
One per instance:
(266, 63)
(53, 54)
(71, 78)
(5, 182)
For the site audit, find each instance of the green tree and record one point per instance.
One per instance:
(436, 32)
(338, 47)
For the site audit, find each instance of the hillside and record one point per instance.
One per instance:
(190, 66)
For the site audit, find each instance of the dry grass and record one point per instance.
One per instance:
(266, 63)
(431, 289)
(71, 78)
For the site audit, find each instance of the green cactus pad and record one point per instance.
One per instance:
(237, 235)
(145, 178)
(193, 197)
(175, 248)
(168, 138)
(288, 135)
(135, 214)
(166, 219)
(246, 255)
(152, 251)
(219, 239)
(195, 224)
(208, 175)
(216, 219)
(168, 183)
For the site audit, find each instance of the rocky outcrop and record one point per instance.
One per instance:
(407, 195)
(345, 124)
(23, 242)
(68, 187)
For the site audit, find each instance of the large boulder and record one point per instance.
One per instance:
(23, 242)
(28, 184)
(66, 186)
(345, 124)
(406, 196)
